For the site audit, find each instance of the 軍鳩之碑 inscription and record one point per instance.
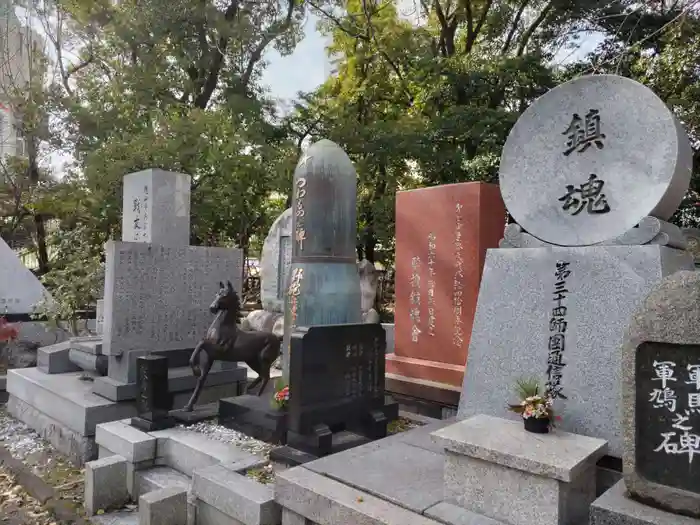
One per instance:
(557, 330)
(582, 133)
(667, 414)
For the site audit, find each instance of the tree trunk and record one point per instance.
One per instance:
(41, 251)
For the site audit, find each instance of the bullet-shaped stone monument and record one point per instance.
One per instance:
(323, 285)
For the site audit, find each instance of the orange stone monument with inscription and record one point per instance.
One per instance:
(442, 234)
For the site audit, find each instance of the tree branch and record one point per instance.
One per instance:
(514, 26)
(527, 35)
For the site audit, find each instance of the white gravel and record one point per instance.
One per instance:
(220, 433)
(18, 438)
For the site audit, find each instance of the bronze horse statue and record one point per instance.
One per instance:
(225, 341)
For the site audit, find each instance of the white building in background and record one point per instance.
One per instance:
(19, 45)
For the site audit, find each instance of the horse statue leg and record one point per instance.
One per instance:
(268, 355)
(203, 368)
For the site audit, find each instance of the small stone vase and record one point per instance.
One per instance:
(537, 426)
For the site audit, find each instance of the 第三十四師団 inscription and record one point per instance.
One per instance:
(588, 196)
(582, 133)
(667, 414)
(557, 330)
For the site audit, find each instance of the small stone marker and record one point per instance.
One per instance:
(324, 284)
(156, 208)
(276, 259)
(661, 397)
(592, 157)
(153, 401)
(20, 290)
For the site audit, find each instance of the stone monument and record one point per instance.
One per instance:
(438, 269)
(660, 411)
(324, 283)
(20, 290)
(592, 170)
(275, 261)
(157, 293)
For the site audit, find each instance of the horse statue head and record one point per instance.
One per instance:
(226, 299)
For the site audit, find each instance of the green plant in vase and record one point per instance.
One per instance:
(535, 408)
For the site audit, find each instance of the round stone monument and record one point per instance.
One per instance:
(592, 157)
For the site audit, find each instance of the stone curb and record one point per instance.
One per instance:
(39, 489)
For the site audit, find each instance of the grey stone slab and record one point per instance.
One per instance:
(156, 208)
(158, 478)
(66, 399)
(408, 476)
(668, 314)
(122, 439)
(105, 484)
(244, 465)
(276, 259)
(89, 344)
(615, 508)
(208, 515)
(122, 517)
(452, 514)
(292, 518)
(240, 497)
(511, 329)
(157, 297)
(187, 450)
(328, 502)
(99, 317)
(166, 506)
(54, 359)
(180, 379)
(421, 437)
(514, 496)
(559, 455)
(390, 329)
(88, 361)
(644, 160)
(74, 445)
(20, 290)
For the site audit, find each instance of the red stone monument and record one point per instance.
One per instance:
(442, 234)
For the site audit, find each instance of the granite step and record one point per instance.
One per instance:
(157, 478)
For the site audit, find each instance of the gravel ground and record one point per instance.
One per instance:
(18, 507)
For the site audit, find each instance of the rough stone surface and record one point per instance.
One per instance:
(644, 160)
(20, 290)
(378, 473)
(158, 478)
(240, 497)
(452, 514)
(122, 439)
(100, 316)
(668, 314)
(208, 515)
(105, 484)
(276, 259)
(157, 297)
(54, 359)
(292, 518)
(327, 502)
(166, 506)
(156, 208)
(511, 329)
(615, 508)
(692, 237)
(559, 455)
(514, 496)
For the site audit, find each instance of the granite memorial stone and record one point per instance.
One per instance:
(153, 401)
(20, 290)
(661, 397)
(275, 262)
(156, 208)
(324, 284)
(591, 158)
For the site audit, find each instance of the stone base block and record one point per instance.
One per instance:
(615, 508)
(166, 506)
(425, 370)
(209, 515)
(55, 359)
(105, 484)
(180, 380)
(495, 468)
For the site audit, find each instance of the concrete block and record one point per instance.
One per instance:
(87, 361)
(66, 398)
(3, 383)
(615, 508)
(328, 502)
(157, 478)
(54, 359)
(105, 484)
(292, 518)
(130, 443)
(452, 514)
(240, 467)
(558, 455)
(75, 446)
(238, 496)
(166, 506)
(208, 515)
(187, 451)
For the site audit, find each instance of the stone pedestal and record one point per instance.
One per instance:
(438, 270)
(615, 508)
(153, 401)
(495, 468)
